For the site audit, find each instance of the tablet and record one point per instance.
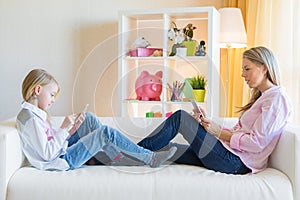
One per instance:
(198, 110)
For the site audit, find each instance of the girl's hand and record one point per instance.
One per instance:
(68, 121)
(77, 122)
(211, 127)
(73, 122)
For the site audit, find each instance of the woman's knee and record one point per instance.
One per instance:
(181, 114)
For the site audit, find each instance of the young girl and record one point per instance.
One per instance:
(72, 144)
(245, 147)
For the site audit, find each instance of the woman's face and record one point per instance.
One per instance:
(46, 95)
(254, 74)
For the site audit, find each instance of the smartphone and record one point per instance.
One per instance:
(85, 107)
(198, 110)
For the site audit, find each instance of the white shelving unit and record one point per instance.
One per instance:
(153, 25)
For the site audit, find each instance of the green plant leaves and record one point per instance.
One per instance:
(198, 82)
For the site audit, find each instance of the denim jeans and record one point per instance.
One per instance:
(92, 137)
(203, 150)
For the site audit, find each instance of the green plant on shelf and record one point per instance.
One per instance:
(198, 82)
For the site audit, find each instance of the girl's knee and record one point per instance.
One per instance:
(92, 119)
(104, 132)
(89, 115)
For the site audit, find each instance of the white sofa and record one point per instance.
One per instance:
(281, 181)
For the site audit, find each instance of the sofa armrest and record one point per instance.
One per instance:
(286, 156)
(11, 156)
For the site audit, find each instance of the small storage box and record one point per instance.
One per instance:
(145, 52)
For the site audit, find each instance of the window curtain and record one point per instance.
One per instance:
(274, 24)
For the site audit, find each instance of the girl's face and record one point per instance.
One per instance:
(254, 74)
(46, 95)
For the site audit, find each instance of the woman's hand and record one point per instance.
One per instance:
(72, 122)
(215, 129)
(211, 127)
(198, 115)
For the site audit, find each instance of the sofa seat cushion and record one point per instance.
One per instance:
(167, 182)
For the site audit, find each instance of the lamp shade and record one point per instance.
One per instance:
(232, 29)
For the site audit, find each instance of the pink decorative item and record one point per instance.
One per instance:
(168, 114)
(145, 52)
(148, 87)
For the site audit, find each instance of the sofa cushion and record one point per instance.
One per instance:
(166, 182)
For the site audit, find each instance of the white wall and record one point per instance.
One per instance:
(75, 40)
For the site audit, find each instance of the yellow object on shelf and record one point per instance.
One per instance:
(191, 47)
(199, 95)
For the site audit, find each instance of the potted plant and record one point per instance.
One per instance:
(183, 38)
(198, 83)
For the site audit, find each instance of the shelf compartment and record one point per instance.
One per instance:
(140, 108)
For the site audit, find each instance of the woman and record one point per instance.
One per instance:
(76, 141)
(245, 147)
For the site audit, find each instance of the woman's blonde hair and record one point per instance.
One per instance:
(34, 78)
(263, 56)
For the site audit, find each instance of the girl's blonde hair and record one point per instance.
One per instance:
(34, 78)
(263, 56)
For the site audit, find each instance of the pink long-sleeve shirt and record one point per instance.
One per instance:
(259, 128)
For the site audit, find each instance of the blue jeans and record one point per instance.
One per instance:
(203, 150)
(92, 137)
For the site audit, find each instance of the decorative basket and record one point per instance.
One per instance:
(145, 52)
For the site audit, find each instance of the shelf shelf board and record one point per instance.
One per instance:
(158, 102)
(166, 57)
(140, 101)
(144, 58)
(187, 57)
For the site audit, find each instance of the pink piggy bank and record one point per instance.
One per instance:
(148, 87)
